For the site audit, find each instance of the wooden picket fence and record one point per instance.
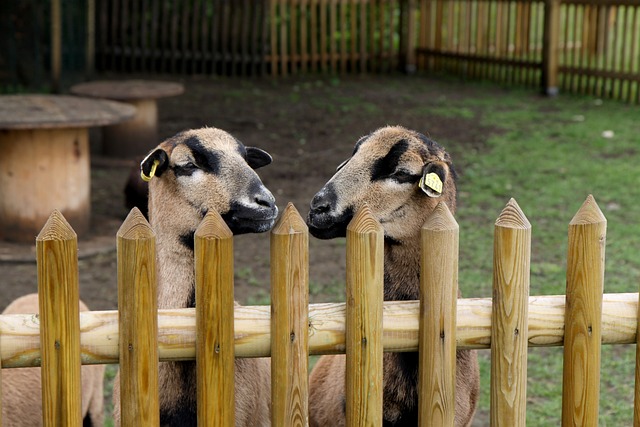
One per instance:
(138, 336)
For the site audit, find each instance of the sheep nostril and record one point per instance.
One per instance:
(263, 200)
(320, 204)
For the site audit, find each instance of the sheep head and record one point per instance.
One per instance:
(208, 169)
(399, 173)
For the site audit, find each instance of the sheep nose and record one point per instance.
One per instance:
(266, 200)
(321, 203)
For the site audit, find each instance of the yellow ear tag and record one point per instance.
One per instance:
(151, 173)
(431, 181)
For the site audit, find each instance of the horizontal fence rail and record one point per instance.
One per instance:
(177, 329)
(138, 336)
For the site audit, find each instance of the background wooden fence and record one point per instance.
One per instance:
(138, 336)
(579, 46)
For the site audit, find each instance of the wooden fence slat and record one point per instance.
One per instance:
(550, 41)
(365, 248)
(583, 317)
(438, 300)
(213, 251)
(138, 322)
(289, 320)
(511, 269)
(58, 299)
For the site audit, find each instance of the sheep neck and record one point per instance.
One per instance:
(176, 276)
(402, 269)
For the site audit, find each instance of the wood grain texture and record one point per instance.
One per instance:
(214, 333)
(365, 287)
(43, 170)
(437, 340)
(289, 320)
(509, 340)
(138, 322)
(58, 296)
(19, 333)
(583, 316)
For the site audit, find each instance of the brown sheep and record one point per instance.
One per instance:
(22, 387)
(197, 171)
(385, 173)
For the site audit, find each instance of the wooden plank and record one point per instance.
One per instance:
(138, 322)
(293, 36)
(273, 9)
(56, 45)
(290, 320)
(365, 253)
(333, 27)
(216, 30)
(204, 38)
(235, 31)
(304, 36)
(583, 317)
(511, 270)
(177, 329)
(343, 37)
(313, 35)
(215, 362)
(438, 309)
(154, 48)
(353, 36)
(324, 43)
(225, 33)
(89, 65)
(283, 37)
(194, 42)
(364, 53)
(58, 299)
(550, 39)
(263, 21)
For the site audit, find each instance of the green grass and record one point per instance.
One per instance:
(549, 155)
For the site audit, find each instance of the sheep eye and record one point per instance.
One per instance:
(402, 176)
(189, 166)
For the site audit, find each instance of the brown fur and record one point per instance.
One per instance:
(402, 209)
(22, 387)
(176, 208)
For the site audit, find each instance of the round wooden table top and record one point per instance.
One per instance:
(60, 111)
(128, 90)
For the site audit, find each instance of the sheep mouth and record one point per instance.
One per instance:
(242, 220)
(325, 226)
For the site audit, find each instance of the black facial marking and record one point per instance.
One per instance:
(188, 240)
(433, 147)
(205, 159)
(385, 166)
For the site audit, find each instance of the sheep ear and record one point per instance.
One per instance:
(258, 158)
(434, 175)
(154, 164)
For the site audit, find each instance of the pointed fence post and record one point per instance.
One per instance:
(58, 296)
(583, 316)
(438, 306)
(215, 357)
(138, 322)
(289, 320)
(365, 293)
(509, 318)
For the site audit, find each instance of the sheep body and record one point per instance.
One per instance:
(385, 173)
(22, 387)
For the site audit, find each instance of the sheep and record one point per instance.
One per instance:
(22, 387)
(386, 172)
(136, 190)
(197, 171)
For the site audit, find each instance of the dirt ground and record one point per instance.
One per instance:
(309, 125)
